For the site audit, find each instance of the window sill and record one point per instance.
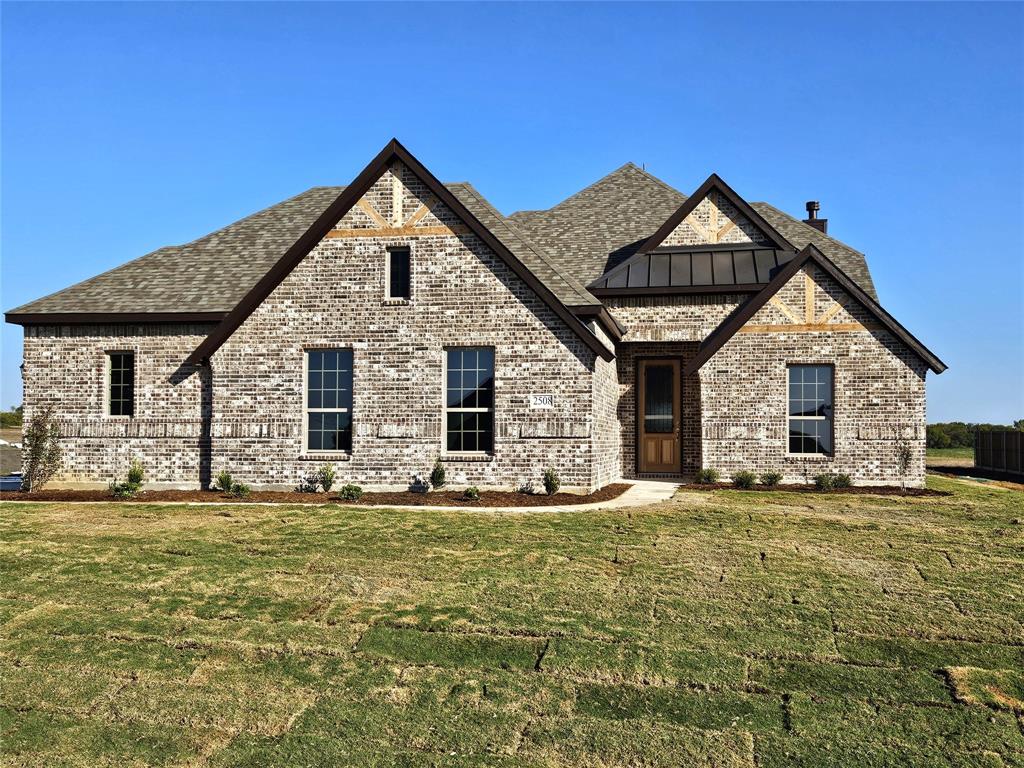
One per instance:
(810, 456)
(326, 456)
(395, 302)
(467, 457)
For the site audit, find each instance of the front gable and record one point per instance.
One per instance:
(715, 215)
(715, 220)
(811, 295)
(395, 196)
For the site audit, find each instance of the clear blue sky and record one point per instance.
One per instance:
(131, 126)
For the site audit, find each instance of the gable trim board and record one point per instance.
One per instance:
(342, 205)
(742, 314)
(111, 318)
(715, 183)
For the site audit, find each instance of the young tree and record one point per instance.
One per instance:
(41, 446)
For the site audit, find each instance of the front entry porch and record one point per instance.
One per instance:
(659, 410)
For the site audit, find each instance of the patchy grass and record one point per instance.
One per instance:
(717, 629)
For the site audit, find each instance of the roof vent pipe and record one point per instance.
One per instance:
(813, 206)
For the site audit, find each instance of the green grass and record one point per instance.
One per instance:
(717, 629)
(951, 453)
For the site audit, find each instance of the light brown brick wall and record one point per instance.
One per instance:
(879, 395)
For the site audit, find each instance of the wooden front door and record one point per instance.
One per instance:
(658, 427)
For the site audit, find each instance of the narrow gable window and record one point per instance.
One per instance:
(121, 388)
(399, 278)
(329, 400)
(810, 409)
(469, 404)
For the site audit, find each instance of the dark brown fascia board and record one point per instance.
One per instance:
(713, 247)
(600, 313)
(715, 182)
(739, 317)
(110, 318)
(675, 290)
(344, 202)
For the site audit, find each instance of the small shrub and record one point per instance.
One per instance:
(708, 476)
(123, 490)
(526, 488)
(42, 451)
(325, 475)
(744, 480)
(552, 482)
(904, 457)
(135, 473)
(224, 481)
(826, 481)
(771, 479)
(437, 475)
(842, 480)
(309, 484)
(240, 490)
(471, 494)
(350, 492)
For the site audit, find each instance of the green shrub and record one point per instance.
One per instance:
(309, 484)
(325, 476)
(552, 482)
(744, 480)
(471, 494)
(224, 481)
(771, 478)
(437, 475)
(135, 473)
(240, 490)
(708, 476)
(826, 481)
(41, 450)
(525, 488)
(350, 492)
(123, 490)
(842, 480)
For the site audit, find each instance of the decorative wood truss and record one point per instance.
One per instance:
(714, 233)
(398, 226)
(809, 321)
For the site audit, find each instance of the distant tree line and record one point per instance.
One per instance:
(11, 418)
(957, 434)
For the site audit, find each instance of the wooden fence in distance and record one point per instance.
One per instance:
(999, 450)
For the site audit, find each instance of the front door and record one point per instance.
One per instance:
(658, 426)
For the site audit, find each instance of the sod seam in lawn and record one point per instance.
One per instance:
(726, 629)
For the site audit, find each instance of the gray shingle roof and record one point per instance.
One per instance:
(566, 247)
(601, 226)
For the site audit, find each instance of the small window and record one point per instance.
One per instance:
(121, 378)
(469, 404)
(329, 400)
(810, 409)
(399, 281)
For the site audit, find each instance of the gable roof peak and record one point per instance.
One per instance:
(715, 183)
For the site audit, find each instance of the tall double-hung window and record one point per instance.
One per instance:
(121, 383)
(810, 409)
(329, 400)
(469, 403)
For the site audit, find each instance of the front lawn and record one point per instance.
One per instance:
(939, 455)
(725, 629)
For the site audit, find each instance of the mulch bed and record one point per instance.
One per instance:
(402, 498)
(874, 490)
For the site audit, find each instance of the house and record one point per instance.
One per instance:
(629, 331)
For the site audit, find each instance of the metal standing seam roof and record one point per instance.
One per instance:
(566, 247)
(704, 269)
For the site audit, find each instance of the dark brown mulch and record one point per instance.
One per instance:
(876, 490)
(403, 498)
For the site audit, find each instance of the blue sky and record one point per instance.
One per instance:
(131, 126)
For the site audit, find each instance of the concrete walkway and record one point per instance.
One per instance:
(640, 493)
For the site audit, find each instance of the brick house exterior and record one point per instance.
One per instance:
(628, 331)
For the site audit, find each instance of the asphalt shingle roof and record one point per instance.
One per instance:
(566, 247)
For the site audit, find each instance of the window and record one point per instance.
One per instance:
(469, 411)
(329, 400)
(399, 282)
(121, 378)
(810, 409)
